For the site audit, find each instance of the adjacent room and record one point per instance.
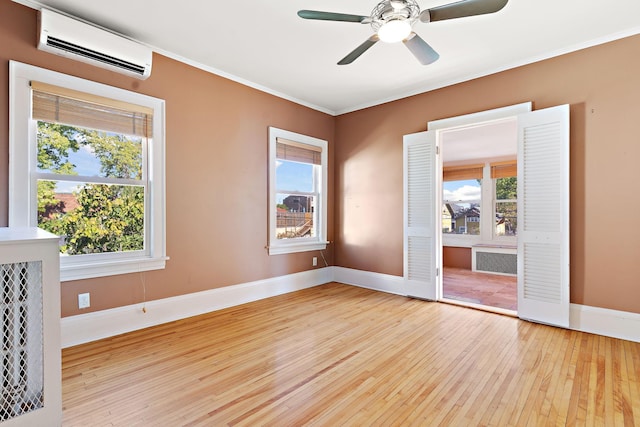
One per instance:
(390, 212)
(479, 253)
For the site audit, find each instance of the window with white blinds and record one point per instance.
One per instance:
(297, 192)
(85, 172)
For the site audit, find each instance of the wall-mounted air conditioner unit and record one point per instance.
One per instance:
(78, 40)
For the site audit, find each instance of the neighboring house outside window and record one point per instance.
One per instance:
(297, 192)
(468, 221)
(87, 164)
(462, 199)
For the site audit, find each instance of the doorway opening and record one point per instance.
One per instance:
(479, 215)
(542, 232)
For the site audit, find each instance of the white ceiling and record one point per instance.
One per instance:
(494, 141)
(264, 44)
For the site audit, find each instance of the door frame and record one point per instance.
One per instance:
(466, 121)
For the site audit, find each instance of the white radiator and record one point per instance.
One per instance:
(22, 364)
(496, 259)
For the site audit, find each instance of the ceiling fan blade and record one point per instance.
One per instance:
(421, 49)
(359, 50)
(330, 16)
(461, 9)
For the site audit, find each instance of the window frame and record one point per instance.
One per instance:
(488, 202)
(319, 242)
(23, 203)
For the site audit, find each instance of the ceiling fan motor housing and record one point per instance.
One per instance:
(394, 10)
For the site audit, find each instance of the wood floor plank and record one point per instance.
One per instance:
(340, 355)
(492, 290)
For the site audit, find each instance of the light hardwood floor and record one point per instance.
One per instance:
(337, 355)
(491, 290)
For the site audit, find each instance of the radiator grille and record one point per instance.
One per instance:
(22, 342)
(497, 262)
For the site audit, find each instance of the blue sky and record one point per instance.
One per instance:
(86, 164)
(461, 190)
(293, 176)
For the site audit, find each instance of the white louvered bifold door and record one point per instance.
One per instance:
(421, 252)
(543, 216)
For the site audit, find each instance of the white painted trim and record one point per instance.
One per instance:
(369, 280)
(89, 327)
(602, 321)
(93, 326)
(481, 118)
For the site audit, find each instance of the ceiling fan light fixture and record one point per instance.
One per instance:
(394, 31)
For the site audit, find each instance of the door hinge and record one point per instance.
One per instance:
(437, 272)
(437, 149)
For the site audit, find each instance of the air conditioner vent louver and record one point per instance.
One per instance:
(85, 42)
(92, 54)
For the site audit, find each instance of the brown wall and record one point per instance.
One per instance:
(216, 173)
(602, 86)
(456, 257)
(217, 168)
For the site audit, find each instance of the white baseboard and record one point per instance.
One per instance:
(595, 320)
(602, 321)
(89, 327)
(93, 326)
(367, 279)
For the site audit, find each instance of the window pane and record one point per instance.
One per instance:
(92, 218)
(507, 188)
(506, 218)
(295, 216)
(461, 207)
(77, 151)
(506, 206)
(294, 176)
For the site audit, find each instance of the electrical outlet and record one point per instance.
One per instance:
(84, 301)
(314, 261)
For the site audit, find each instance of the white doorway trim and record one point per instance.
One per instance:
(480, 118)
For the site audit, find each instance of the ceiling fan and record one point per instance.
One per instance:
(392, 20)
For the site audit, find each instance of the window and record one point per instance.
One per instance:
(462, 199)
(87, 163)
(297, 192)
(506, 192)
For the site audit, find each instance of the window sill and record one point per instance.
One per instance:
(468, 241)
(297, 247)
(460, 240)
(87, 270)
